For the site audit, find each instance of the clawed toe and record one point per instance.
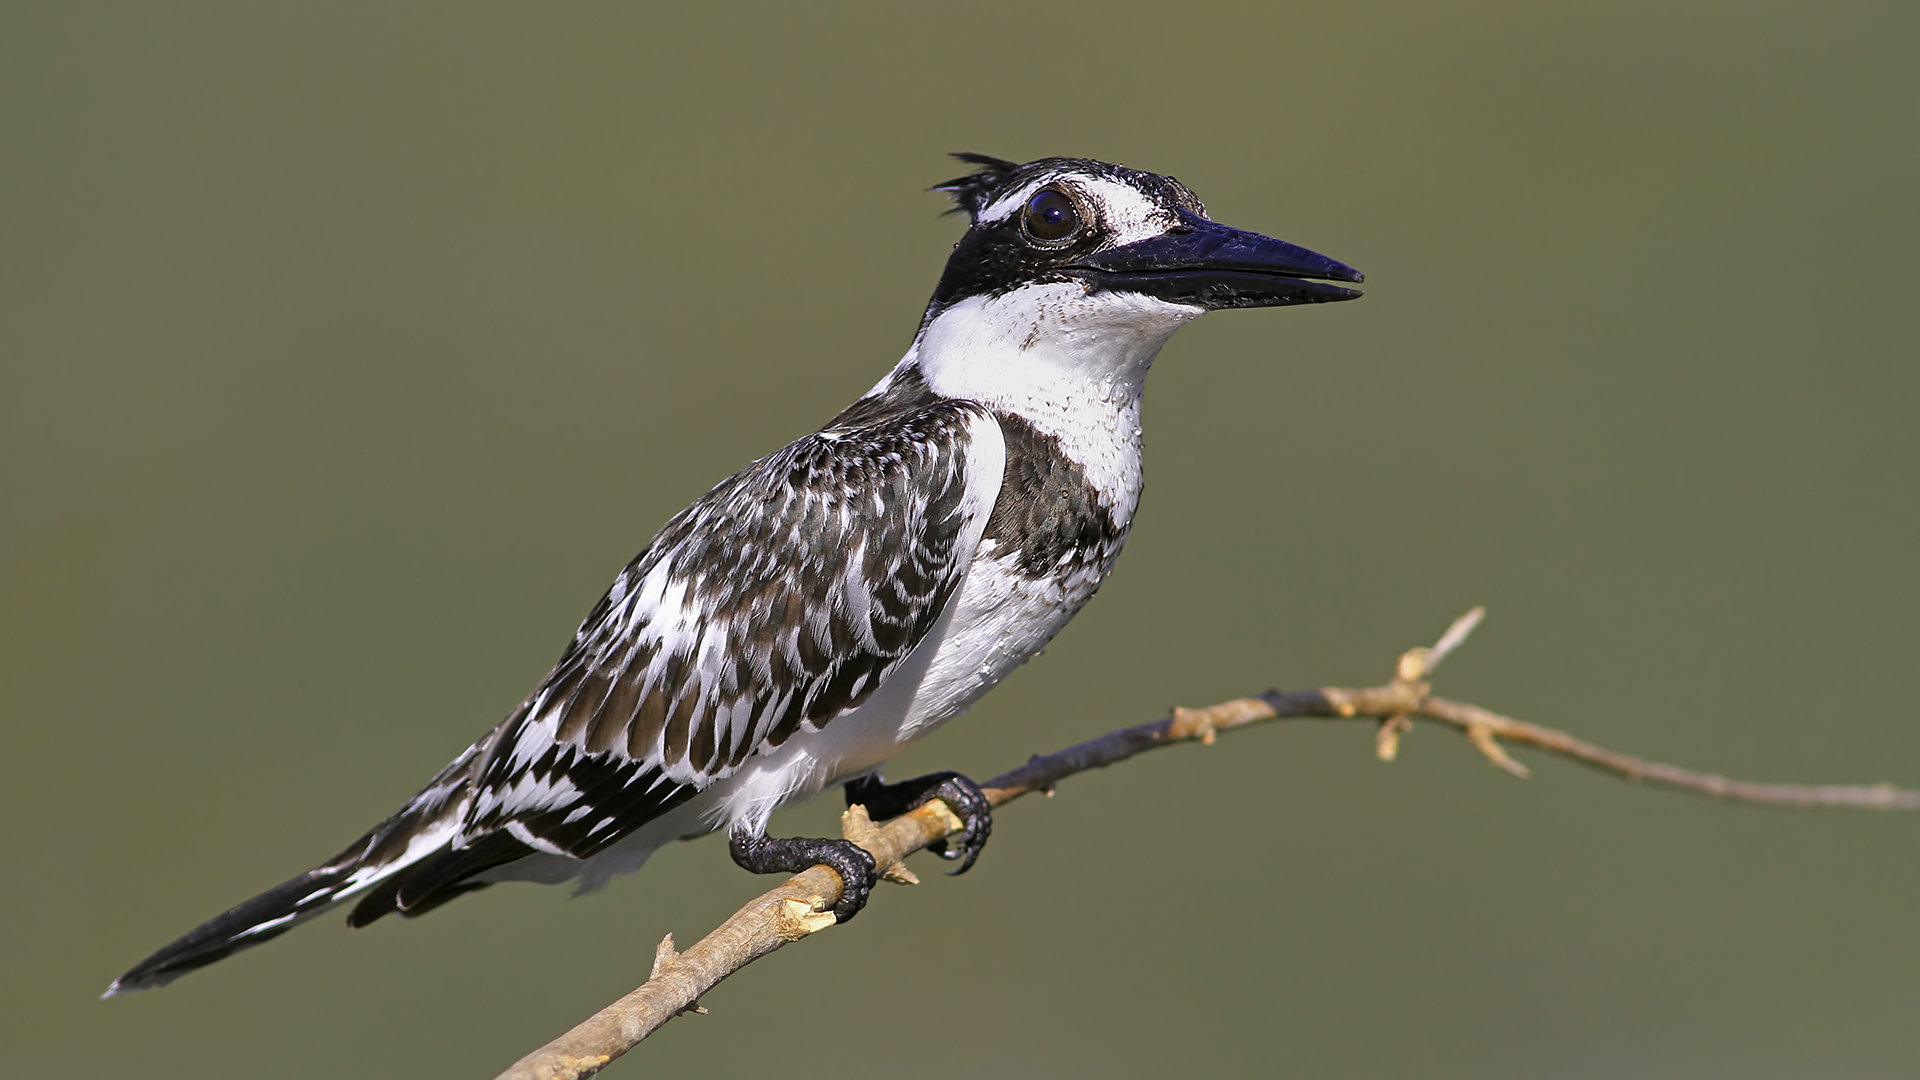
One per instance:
(961, 794)
(763, 854)
(857, 876)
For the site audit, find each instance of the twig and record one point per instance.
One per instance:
(799, 906)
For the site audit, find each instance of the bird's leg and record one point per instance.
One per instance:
(763, 854)
(962, 795)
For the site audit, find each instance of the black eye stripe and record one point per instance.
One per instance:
(1051, 217)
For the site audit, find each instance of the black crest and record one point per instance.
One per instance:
(976, 190)
(995, 176)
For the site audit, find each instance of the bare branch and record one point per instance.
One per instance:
(1835, 796)
(800, 906)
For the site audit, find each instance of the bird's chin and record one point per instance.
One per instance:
(1215, 289)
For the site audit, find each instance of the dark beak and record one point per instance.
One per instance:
(1212, 266)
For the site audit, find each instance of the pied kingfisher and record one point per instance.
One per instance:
(832, 602)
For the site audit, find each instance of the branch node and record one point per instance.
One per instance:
(664, 956)
(1046, 790)
(1206, 724)
(944, 814)
(1414, 665)
(1192, 724)
(1484, 741)
(858, 827)
(797, 918)
(1386, 742)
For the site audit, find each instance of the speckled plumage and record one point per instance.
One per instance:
(830, 603)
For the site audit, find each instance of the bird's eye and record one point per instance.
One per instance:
(1050, 216)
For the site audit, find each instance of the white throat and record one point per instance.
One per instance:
(1070, 363)
(1040, 340)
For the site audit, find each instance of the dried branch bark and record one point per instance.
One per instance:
(799, 906)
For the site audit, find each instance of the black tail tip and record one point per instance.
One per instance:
(262, 918)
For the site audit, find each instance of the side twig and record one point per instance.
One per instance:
(799, 906)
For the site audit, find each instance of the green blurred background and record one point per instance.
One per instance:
(346, 352)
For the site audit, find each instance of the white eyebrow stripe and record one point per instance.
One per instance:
(1125, 211)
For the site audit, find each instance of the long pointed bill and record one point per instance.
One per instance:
(1213, 266)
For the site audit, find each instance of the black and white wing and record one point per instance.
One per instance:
(770, 606)
(779, 600)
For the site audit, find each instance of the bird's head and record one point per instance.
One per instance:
(1093, 266)
(1114, 229)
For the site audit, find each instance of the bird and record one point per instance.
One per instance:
(839, 599)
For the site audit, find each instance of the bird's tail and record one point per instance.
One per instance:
(268, 915)
(407, 863)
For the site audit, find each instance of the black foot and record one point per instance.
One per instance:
(764, 855)
(962, 795)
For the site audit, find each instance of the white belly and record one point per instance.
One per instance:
(1001, 619)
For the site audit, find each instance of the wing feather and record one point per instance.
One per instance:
(778, 601)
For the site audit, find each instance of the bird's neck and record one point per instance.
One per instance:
(1043, 339)
(1072, 365)
(1038, 345)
